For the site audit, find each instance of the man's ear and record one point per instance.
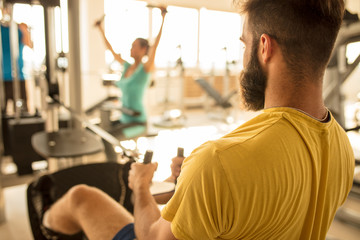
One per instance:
(266, 48)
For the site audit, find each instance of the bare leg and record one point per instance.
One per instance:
(88, 209)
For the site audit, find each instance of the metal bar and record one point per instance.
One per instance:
(350, 69)
(198, 41)
(52, 123)
(75, 59)
(45, 3)
(349, 216)
(17, 1)
(50, 44)
(2, 91)
(2, 201)
(343, 77)
(97, 130)
(14, 52)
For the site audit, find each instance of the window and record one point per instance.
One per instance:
(33, 16)
(208, 42)
(352, 51)
(219, 38)
(180, 36)
(125, 21)
(61, 27)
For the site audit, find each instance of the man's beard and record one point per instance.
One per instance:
(253, 83)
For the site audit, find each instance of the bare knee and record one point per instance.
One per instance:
(81, 195)
(65, 214)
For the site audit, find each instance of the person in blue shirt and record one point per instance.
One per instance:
(24, 38)
(136, 76)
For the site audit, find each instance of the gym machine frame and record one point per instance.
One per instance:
(339, 70)
(2, 200)
(337, 73)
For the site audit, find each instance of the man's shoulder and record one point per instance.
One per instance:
(258, 128)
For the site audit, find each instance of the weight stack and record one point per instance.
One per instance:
(20, 133)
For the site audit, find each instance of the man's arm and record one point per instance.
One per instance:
(150, 64)
(176, 164)
(148, 222)
(117, 57)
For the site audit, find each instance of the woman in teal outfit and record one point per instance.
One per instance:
(136, 77)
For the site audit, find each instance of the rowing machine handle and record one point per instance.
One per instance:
(148, 156)
(180, 152)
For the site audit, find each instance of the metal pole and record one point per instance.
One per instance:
(2, 92)
(2, 200)
(50, 48)
(226, 85)
(182, 81)
(14, 50)
(52, 122)
(75, 59)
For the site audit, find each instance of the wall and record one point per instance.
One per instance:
(92, 53)
(353, 6)
(227, 5)
(223, 5)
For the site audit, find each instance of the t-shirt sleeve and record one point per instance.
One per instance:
(202, 203)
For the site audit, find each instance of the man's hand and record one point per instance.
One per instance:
(176, 166)
(148, 221)
(140, 175)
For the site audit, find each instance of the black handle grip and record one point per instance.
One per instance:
(180, 152)
(148, 156)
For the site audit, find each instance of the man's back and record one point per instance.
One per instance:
(282, 175)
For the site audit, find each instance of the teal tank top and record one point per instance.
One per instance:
(133, 91)
(6, 61)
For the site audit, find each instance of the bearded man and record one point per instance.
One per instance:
(281, 175)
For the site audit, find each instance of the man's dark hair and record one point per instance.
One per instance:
(144, 44)
(305, 30)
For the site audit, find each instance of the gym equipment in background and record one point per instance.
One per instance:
(223, 108)
(2, 200)
(338, 69)
(222, 101)
(173, 118)
(113, 144)
(112, 178)
(337, 73)
(110, 104)
(109, 109)
(157, 188)
(18, 129)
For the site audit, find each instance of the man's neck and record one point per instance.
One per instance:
(307, 97)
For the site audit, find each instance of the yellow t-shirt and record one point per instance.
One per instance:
(281, 175)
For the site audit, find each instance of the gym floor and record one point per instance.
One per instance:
(199, 128)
